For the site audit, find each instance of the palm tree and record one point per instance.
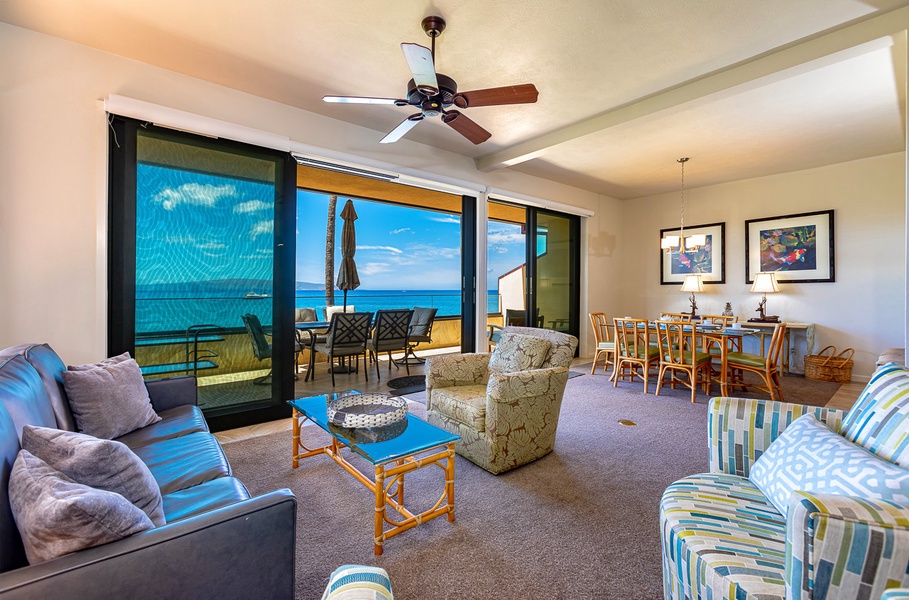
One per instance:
(330, 252)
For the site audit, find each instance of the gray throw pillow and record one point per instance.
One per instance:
(106, 362)
(110, 399)
(102, 464)
(57, 516)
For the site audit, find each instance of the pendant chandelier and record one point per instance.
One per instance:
(680, 243)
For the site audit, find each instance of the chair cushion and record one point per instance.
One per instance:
(879, 419)
(650, 351)
(517, 352)
(57, 516)
(465, 404)
(746, 359)
(606, 345)
(809, 457)
(101, 464)
(722, 539)
(109, 399)
(699, 357)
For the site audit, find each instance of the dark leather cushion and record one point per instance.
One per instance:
(204, 497)
(23, 395)
(174, 422)
(185, 461)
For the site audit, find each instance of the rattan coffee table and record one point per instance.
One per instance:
(393, 451)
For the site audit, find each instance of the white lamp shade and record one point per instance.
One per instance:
(669, 241)
(765, 283)
(695, 241)
(692, 283)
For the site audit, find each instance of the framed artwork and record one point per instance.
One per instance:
(708, 260)
(798, 248)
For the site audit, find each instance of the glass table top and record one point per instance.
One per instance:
(379, 444)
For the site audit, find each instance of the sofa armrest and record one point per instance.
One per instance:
(844, 547)
(172, 392)
(456, 369)
(245, 550)
(739, 430)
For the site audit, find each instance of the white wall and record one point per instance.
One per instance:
(53, 170)
(865, 307)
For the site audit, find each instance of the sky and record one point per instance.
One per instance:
(398, 247)
(197, 227)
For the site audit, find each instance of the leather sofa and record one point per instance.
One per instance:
(218, 542)
(800, 502)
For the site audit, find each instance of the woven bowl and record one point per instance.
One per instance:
(366, 410)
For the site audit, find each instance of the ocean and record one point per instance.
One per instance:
(174, 312)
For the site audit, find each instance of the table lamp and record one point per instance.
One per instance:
(765, 283)
(693, 284)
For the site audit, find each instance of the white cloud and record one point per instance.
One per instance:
(454, 220)
(499, 249)
(391, 249)
(402, 230)
(195, 194)
(374, 268)
(251, 206)
(505, 237)
(262, 228)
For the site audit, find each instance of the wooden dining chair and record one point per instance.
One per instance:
(605, 346)
(712, 345)
(766, 367)
(679, 353)
(633, 351)
(675, 316)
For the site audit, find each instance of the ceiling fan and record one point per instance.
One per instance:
(435, 93)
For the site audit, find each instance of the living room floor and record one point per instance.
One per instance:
(844, 398)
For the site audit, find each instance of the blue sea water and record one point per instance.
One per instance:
(174, 312)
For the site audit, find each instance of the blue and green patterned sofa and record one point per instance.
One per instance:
(839, 530)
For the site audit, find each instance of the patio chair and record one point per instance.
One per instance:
(420, 332)
(391, 333)
(260, 345)
(346, 336)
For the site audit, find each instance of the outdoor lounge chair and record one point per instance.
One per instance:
(261, 347)
(420, 331)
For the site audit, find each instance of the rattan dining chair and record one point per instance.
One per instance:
(766, 367)
(605, 346)
(633, 351)
(679, 353)
(675, 316)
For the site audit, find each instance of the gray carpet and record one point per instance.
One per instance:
(582, 522)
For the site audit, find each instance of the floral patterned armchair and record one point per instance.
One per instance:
(504, 405)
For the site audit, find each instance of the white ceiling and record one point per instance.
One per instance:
(744, 88)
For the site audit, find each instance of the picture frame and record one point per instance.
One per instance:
(799, 248)
(709, 260)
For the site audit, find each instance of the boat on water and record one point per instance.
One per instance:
(255, 296)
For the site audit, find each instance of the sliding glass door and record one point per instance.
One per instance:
(534, 268)
(197, 251)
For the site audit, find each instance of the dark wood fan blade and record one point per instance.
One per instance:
(398, 132)
(465, 127)
(363, 100)
(510, 94)
(419, 59)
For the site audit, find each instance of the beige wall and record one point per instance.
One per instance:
(53, 169)
(865, 307)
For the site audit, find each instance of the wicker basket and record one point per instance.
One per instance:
(830, 367)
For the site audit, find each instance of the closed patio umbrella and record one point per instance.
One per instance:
(347, 274)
